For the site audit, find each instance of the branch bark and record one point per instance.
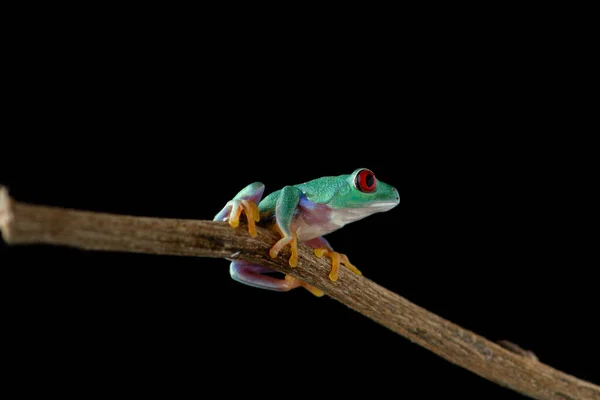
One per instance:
(23, 224)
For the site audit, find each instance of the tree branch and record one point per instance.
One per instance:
(23, 224)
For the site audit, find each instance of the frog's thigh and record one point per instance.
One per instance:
(253, 275)
(319, 243)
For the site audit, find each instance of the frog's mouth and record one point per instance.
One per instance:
(384, 204)
(381, 205)
(372, 207)
(359, 211)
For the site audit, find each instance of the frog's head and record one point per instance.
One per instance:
(361, 190)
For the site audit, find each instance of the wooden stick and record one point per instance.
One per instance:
(23, 224)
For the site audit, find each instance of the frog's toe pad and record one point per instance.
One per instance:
(336, 260)
(281, 243)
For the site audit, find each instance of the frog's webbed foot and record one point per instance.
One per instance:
(244, 202)
(292, 240)
(336, 260)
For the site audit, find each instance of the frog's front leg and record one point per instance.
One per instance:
(323, 248)
(285, 209)
(245, 201)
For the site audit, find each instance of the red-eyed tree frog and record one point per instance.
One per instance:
(305, 212)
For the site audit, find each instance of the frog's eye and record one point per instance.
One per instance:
(365, 181)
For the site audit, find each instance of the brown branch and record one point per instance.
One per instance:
(23, 224)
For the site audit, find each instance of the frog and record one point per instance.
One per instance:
(305, 213)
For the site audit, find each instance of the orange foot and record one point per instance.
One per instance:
(284, 241)
(251, 211)
(306, 286)
(336, 260)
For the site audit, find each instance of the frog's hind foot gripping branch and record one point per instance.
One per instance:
(336, 260)
(312, 289)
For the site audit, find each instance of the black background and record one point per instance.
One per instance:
(495, 230)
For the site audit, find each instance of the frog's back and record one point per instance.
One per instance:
(319, 191)
(267, 205)
(322, 190)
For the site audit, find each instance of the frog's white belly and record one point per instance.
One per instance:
(307, 232)
(317, 220)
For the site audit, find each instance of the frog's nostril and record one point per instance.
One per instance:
(395, 191)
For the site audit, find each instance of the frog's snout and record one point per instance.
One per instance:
(395, 192)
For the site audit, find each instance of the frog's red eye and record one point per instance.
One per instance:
(365, 181)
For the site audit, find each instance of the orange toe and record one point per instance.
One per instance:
(336, 260)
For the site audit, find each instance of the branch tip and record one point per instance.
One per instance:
(6, 213)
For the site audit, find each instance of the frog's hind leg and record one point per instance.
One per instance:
(322, 248)
(256, 276)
